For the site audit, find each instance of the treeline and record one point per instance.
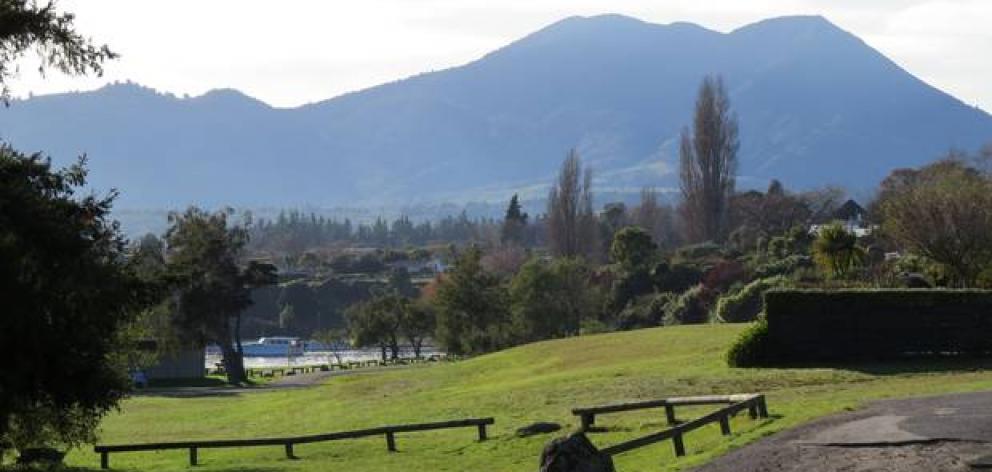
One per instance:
(294, 232)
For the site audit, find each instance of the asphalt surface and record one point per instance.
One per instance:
(943, 433)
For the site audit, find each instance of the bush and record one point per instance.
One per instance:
(676, 278)
(873, 324)
(724, 274)
(784, 266)
(645, 312)
(752, 348)
(748, 302)
(695, 252)
(691, 307)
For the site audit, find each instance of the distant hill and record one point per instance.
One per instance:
(816, 106)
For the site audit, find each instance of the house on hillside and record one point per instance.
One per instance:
(852, 216)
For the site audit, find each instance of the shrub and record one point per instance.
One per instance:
(783, 266)
(724, 274)
(691, 307)
(748, 302)
(705, 250)
(645, 312)
(752, 348)
(677, 277)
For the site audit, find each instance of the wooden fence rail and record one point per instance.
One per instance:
(755, 404)
(288, 442)
(588, 414)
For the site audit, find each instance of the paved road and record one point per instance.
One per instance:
(946, 433)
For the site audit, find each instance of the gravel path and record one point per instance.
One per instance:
(946, 433)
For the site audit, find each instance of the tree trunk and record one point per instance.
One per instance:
(394, 347)
(234, 364)
(383, 347)
(416, 344)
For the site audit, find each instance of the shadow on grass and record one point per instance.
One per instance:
(917, 365)
(194, 382)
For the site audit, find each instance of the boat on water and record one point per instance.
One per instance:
(273, 346)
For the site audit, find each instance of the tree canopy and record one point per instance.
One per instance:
(67, 290)
(27, 26)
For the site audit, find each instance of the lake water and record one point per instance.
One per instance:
(319, 357)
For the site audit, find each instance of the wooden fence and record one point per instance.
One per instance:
(754, 403)
(288, 442)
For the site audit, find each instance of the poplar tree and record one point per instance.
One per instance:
(708, 164)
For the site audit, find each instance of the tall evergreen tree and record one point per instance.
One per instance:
(514, 223)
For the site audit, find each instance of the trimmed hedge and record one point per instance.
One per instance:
(871, 324)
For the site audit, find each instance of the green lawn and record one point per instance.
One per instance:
(538, 382)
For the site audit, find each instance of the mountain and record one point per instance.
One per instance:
(816, 106)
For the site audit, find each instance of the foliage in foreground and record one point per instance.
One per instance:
(67, 292)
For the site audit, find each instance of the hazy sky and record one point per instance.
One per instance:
(289, 52)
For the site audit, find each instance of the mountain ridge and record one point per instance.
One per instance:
(817, 106)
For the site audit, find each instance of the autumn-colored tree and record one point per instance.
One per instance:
(942, 212)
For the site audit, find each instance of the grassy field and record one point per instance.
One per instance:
(538, 382)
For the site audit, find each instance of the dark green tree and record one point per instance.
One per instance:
(633, 249)
(418, 323)
(377, 322)
(635, 254)
(212, 288)
(26, 26)
(67, 292)
(549, 300)
(472, 309)
(514, 224)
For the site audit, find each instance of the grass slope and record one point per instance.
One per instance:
(538, 382)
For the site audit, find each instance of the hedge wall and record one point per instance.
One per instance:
(865, 324)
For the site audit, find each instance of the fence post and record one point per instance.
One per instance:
(104, 460)
(679, 445)
(762, 407)
(725, 425)
(670, 415)
(289, 451)
(482, 431)
(192, 456)
(390, 442)
(588, 419)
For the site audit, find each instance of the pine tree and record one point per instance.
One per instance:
(514, 223)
